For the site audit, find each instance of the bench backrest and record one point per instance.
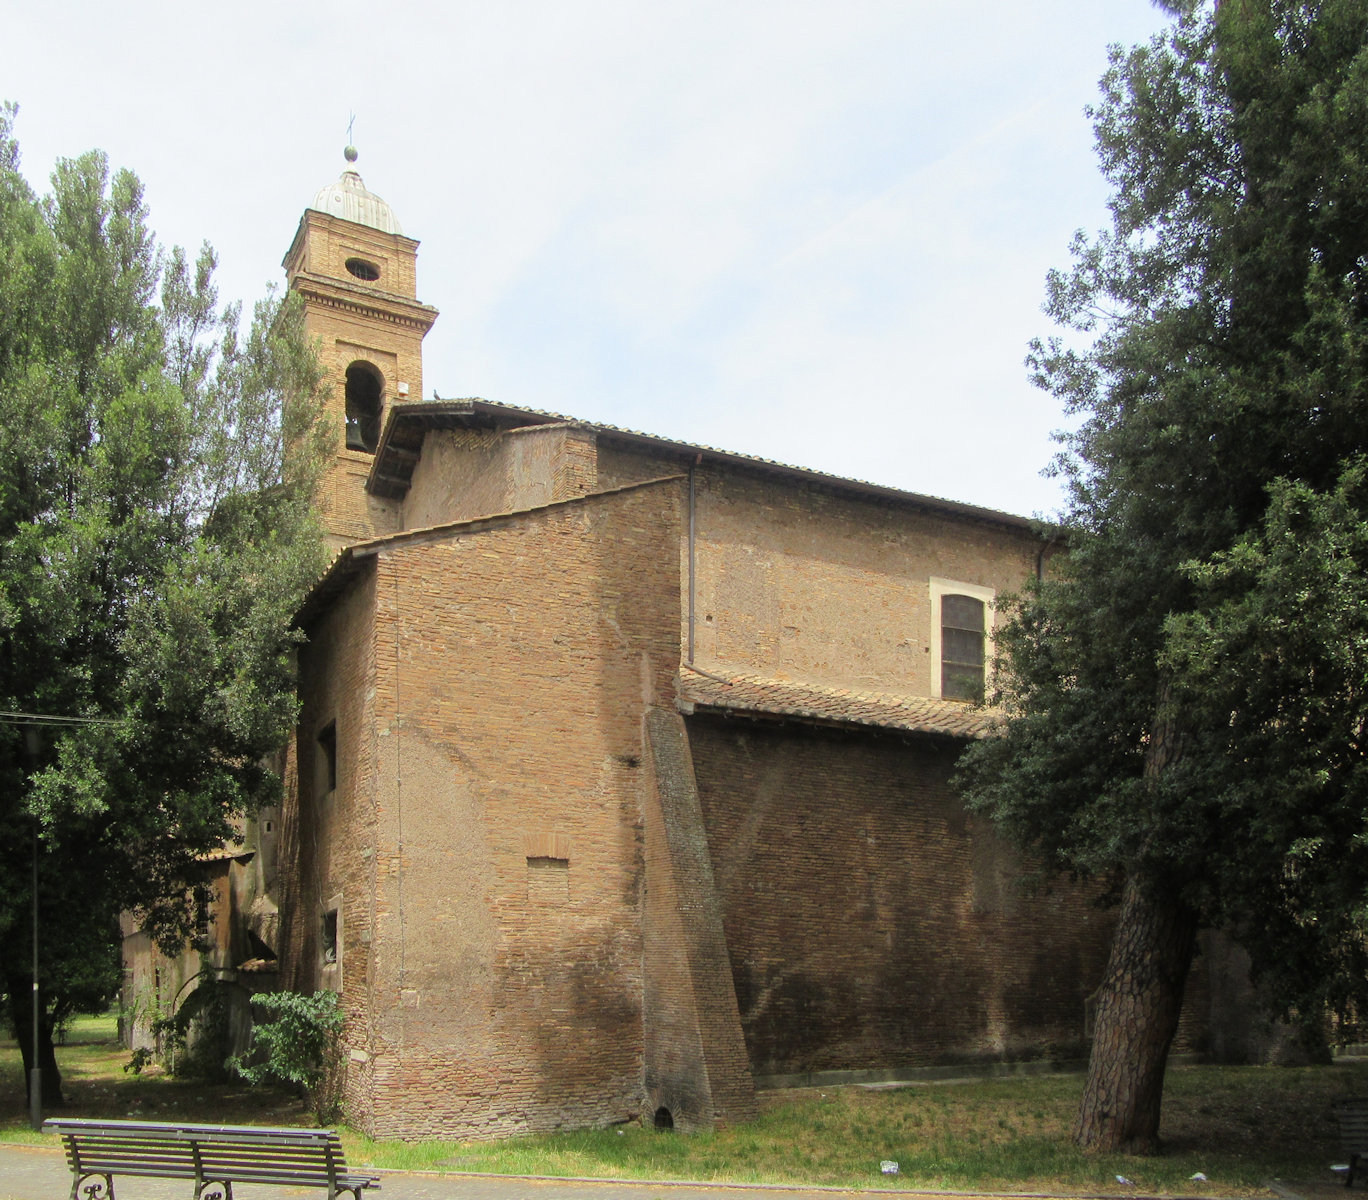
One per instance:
(1353, 1122)
(242, 1153)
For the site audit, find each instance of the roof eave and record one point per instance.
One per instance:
(384, 481)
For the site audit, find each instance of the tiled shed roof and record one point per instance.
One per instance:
(840, 706)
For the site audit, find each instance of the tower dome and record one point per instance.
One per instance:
(351, 200)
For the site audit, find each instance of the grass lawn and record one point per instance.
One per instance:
(1239, 1126)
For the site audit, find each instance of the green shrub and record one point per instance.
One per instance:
(300, 1047)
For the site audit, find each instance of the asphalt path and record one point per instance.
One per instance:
(41, 1173)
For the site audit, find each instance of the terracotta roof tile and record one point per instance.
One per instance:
(847, 706)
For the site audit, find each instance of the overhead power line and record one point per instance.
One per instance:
(25, 718)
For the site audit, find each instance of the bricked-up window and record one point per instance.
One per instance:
(548, 879)
(327, 756)
(962, 648)
(364, 389)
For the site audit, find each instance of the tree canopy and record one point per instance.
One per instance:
(156, 534)
(1187, 694)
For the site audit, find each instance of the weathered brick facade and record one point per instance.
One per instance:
(872, 924)
(580, 878)
(622, 782)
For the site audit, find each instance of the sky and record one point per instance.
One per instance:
(809, 231)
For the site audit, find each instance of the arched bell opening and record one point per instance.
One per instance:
(365, 387)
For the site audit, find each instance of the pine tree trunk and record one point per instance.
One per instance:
(1137, 1016)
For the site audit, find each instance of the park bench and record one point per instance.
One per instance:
(214, 1156)
(1352, 1115)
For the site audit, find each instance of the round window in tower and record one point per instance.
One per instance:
(363, 270)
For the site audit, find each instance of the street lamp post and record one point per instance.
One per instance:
(32, 744)
(32, 724)
(35, 1069)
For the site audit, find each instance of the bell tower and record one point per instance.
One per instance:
(357, 274)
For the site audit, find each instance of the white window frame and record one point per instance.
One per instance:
(954, 587)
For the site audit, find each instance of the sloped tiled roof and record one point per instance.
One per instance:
(840, 706)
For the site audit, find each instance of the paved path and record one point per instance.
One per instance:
(40, 1173)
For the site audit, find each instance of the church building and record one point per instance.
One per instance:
(622, 787)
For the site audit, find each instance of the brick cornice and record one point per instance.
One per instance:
(365, 302)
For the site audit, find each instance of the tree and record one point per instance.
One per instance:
(1185, 698)
(156, 535)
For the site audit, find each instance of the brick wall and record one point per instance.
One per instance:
(348, 512)
(379, 322)
(801, 583)
(500, 820)
(534, 933)
(871, 923)
(326, 852)
(696, 1064)
(459, 476)
(464, 474)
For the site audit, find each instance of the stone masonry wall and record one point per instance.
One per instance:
(871, 923)
(513, 664)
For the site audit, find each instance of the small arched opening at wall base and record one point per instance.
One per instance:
(663, 1119)
(365, 386)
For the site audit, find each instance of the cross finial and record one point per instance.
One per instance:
(350, 152)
